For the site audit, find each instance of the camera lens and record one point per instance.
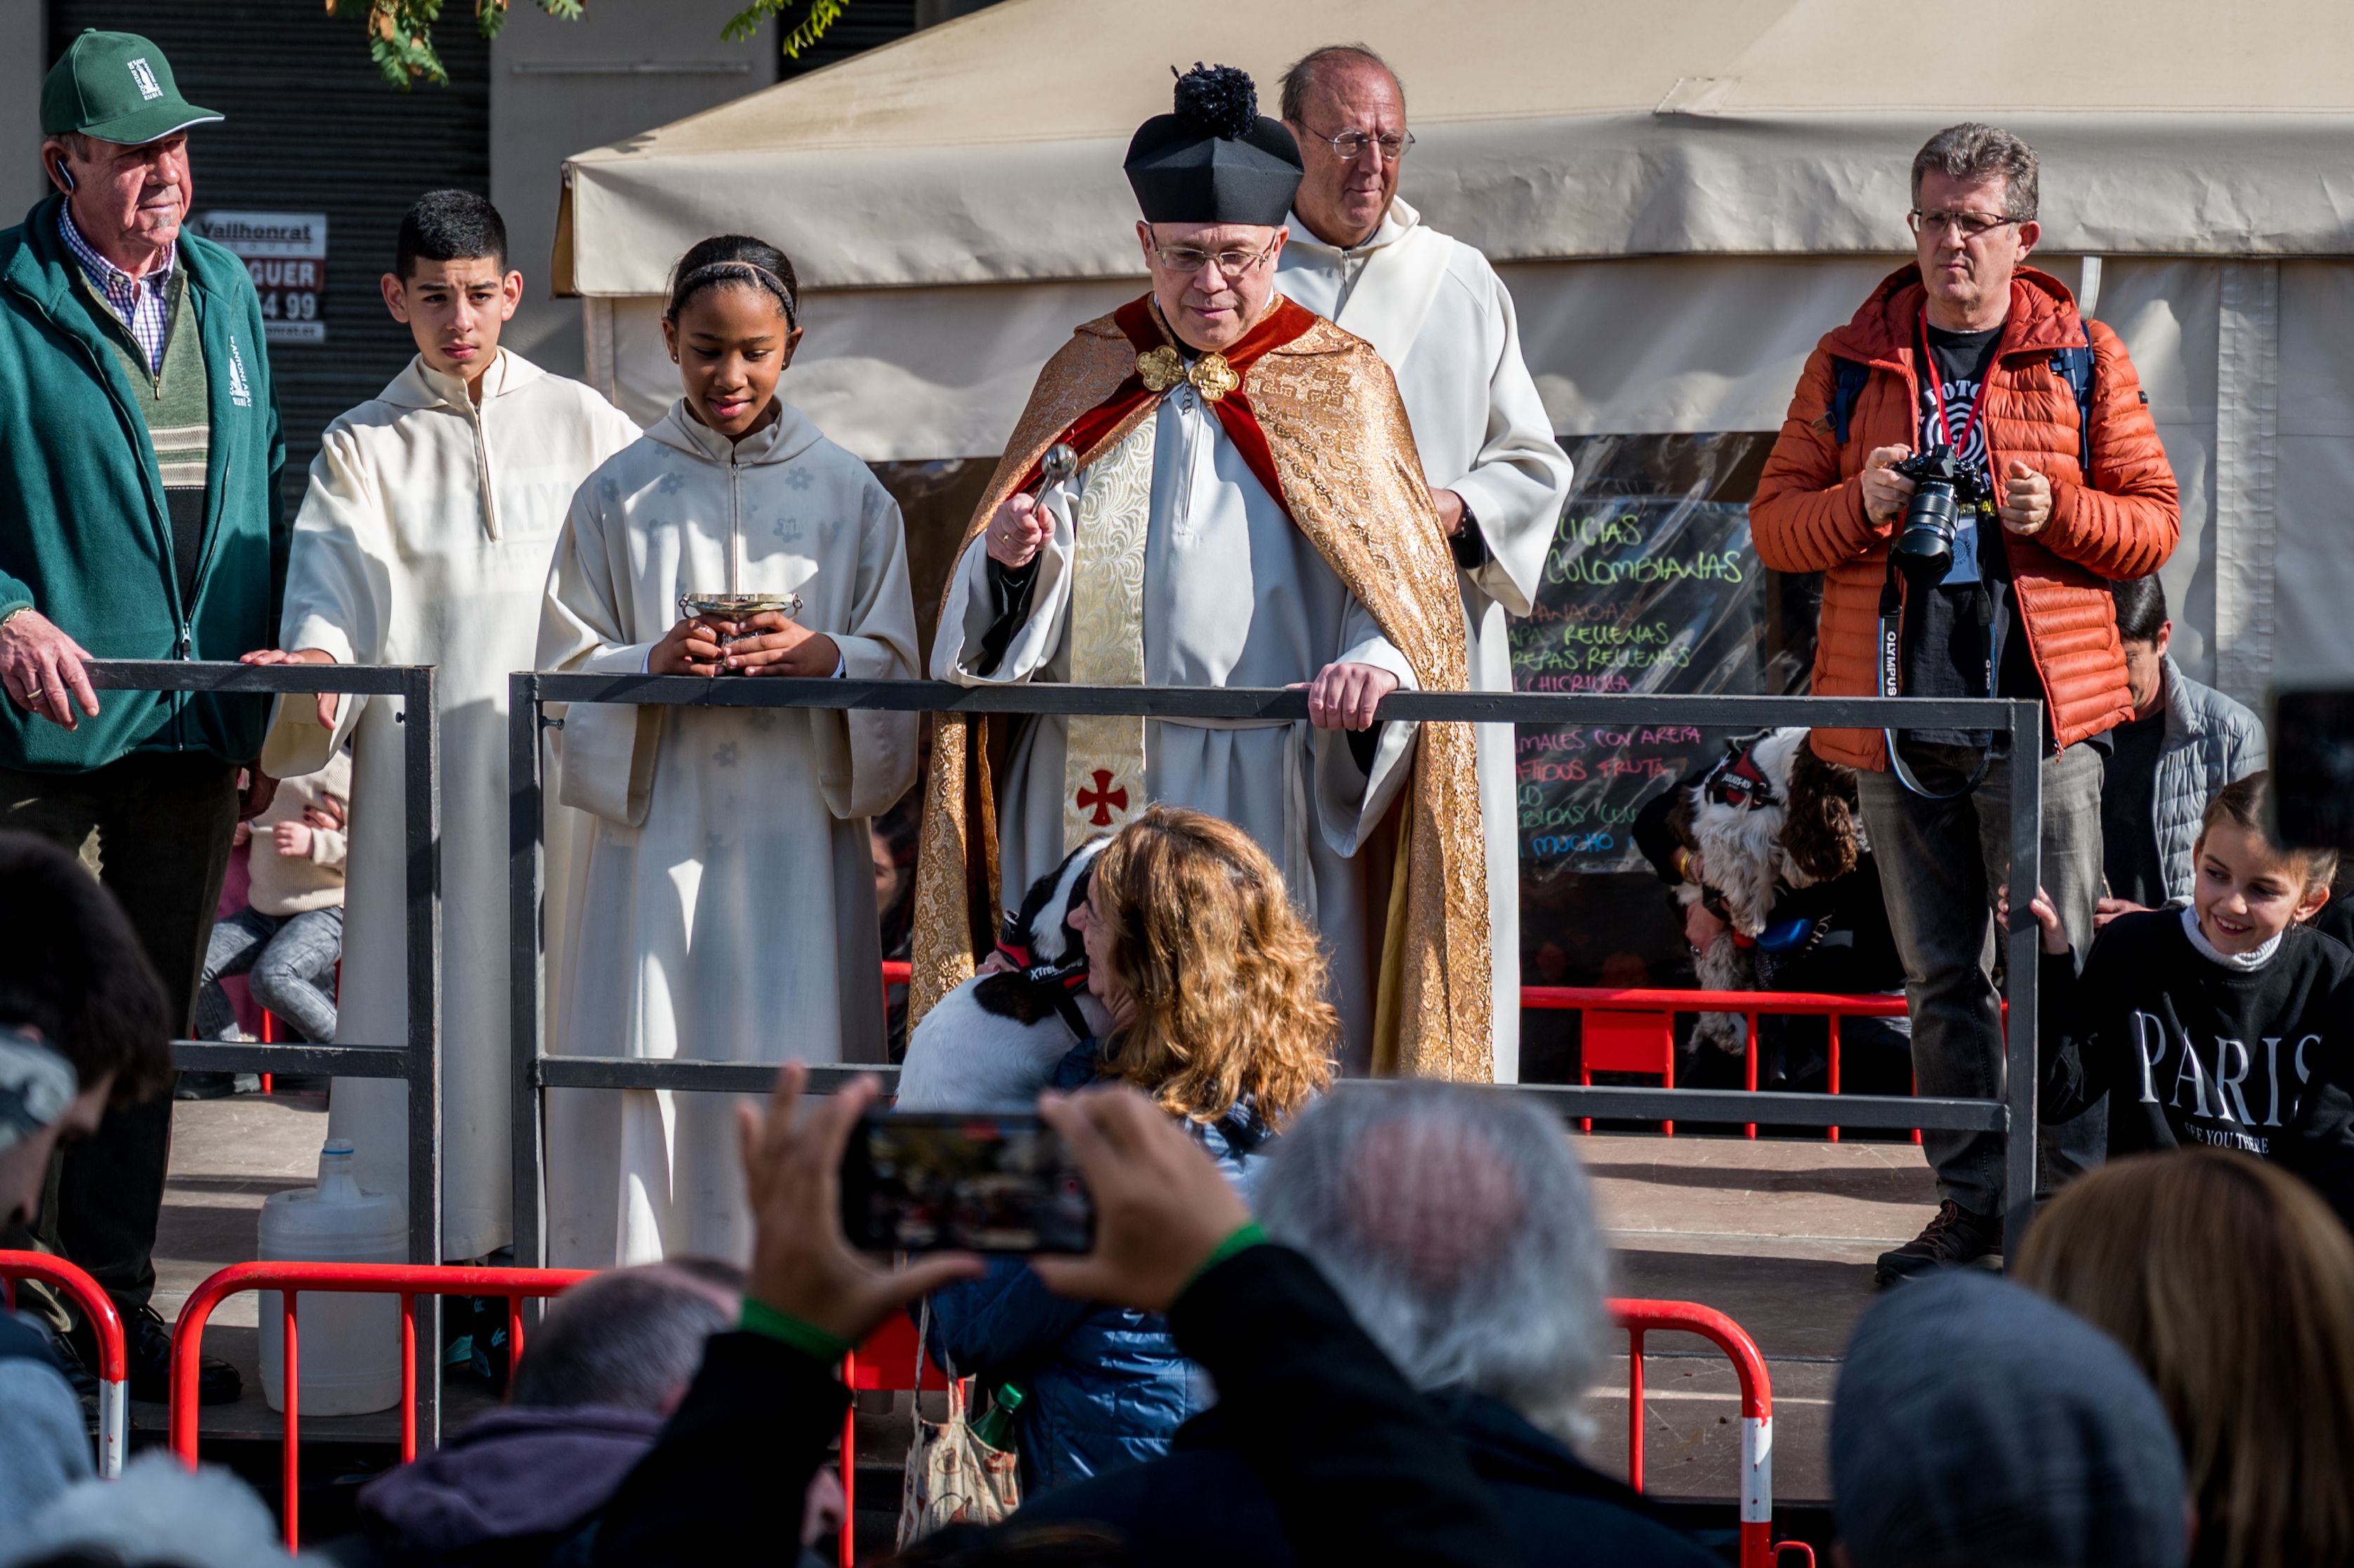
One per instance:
(1924, 546)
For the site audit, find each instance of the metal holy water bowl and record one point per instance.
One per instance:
(738, 605)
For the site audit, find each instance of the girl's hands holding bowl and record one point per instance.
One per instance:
(693, 647)
(771, 643)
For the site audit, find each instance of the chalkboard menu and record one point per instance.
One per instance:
(1642, 594)
(1645, 591)
(1651, 586)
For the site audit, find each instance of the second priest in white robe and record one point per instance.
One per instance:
(721, 901)
(1435, 310)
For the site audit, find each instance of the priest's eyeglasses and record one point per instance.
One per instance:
(1187, 260)
(1349, 143)
(1968, 225)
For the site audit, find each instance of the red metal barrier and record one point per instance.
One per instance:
(406, 1280)
(1632, 1029)
(1627, 1009)
(888, 1361)
(113, 1388)
(1640, 1317)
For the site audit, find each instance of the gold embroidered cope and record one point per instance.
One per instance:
(1350, 479)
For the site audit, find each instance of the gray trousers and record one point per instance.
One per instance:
(289, 963)
(1940, 863)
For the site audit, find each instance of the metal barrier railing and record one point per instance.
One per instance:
(2016, 728)
(1640, 1317)
(413, 1283)
(106, 1327)
(418, 1062)
(889, 1361)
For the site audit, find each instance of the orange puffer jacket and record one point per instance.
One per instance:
(2121, 523)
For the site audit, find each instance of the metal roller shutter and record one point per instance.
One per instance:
(311, 128)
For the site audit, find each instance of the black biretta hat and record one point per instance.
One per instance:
(1216, 159)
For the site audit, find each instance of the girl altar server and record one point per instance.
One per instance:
(722, 899)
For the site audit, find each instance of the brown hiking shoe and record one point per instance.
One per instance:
(1956, 1236)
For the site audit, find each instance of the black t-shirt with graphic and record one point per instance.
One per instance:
(2188, 1052)
(1959, 632)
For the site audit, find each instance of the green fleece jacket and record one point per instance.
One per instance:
(84, 536)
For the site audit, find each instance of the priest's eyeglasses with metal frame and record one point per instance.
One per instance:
(1349, 143)
(1186, 261)
(1968, 225)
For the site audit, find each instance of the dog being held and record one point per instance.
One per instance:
(993, 1044)
(1769, 816)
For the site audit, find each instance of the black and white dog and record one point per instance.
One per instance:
(993, 1044)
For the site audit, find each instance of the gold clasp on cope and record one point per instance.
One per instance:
(1162, 368)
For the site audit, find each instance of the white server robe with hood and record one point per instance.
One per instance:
(721, 900)
(425, 539)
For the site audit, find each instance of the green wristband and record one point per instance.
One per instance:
(1244, 1236)
(759, 1318)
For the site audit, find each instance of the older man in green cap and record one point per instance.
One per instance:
(140, 454)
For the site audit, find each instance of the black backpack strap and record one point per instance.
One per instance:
(2074, 365)
(1850, 376)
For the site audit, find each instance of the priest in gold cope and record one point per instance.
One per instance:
(1247, 510)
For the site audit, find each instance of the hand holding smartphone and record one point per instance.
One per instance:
(968, 1182)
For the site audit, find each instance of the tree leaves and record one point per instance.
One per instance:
(803, 35)
(400, 32)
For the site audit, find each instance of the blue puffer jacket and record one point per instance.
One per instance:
(1106, 1386)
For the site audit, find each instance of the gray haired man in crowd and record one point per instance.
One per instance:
(1434, 309)
(1458, 1227)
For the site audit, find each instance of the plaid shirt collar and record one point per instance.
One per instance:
(139, 303)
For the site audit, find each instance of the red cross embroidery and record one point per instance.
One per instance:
(1103, 799)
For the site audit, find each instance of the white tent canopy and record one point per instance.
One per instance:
(1682, 197)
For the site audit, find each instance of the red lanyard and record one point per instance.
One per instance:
(1938, 391)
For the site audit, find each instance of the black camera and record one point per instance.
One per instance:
(1942, 487)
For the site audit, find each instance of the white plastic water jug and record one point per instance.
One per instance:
(349, 1344)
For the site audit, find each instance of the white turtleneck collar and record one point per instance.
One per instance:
(2255, 958)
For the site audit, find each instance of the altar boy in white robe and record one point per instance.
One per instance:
(1246, 511)
(721, 897)
(425, 539)
(1438, 313)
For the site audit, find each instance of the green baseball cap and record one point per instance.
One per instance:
(117, 87)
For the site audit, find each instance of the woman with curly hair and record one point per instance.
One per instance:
(1217, 990)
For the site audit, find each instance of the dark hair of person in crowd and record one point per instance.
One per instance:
(1975, 1424)
(737, 259)
(2231, 1283)
(1460, 1230)
(2141, 608)
(2245, 803)
(629, 1336)
(1228, 979)
(72, 968)
(449, 226)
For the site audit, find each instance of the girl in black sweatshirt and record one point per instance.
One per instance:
(2228, 1023)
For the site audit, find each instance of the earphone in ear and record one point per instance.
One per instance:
(65, 176)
